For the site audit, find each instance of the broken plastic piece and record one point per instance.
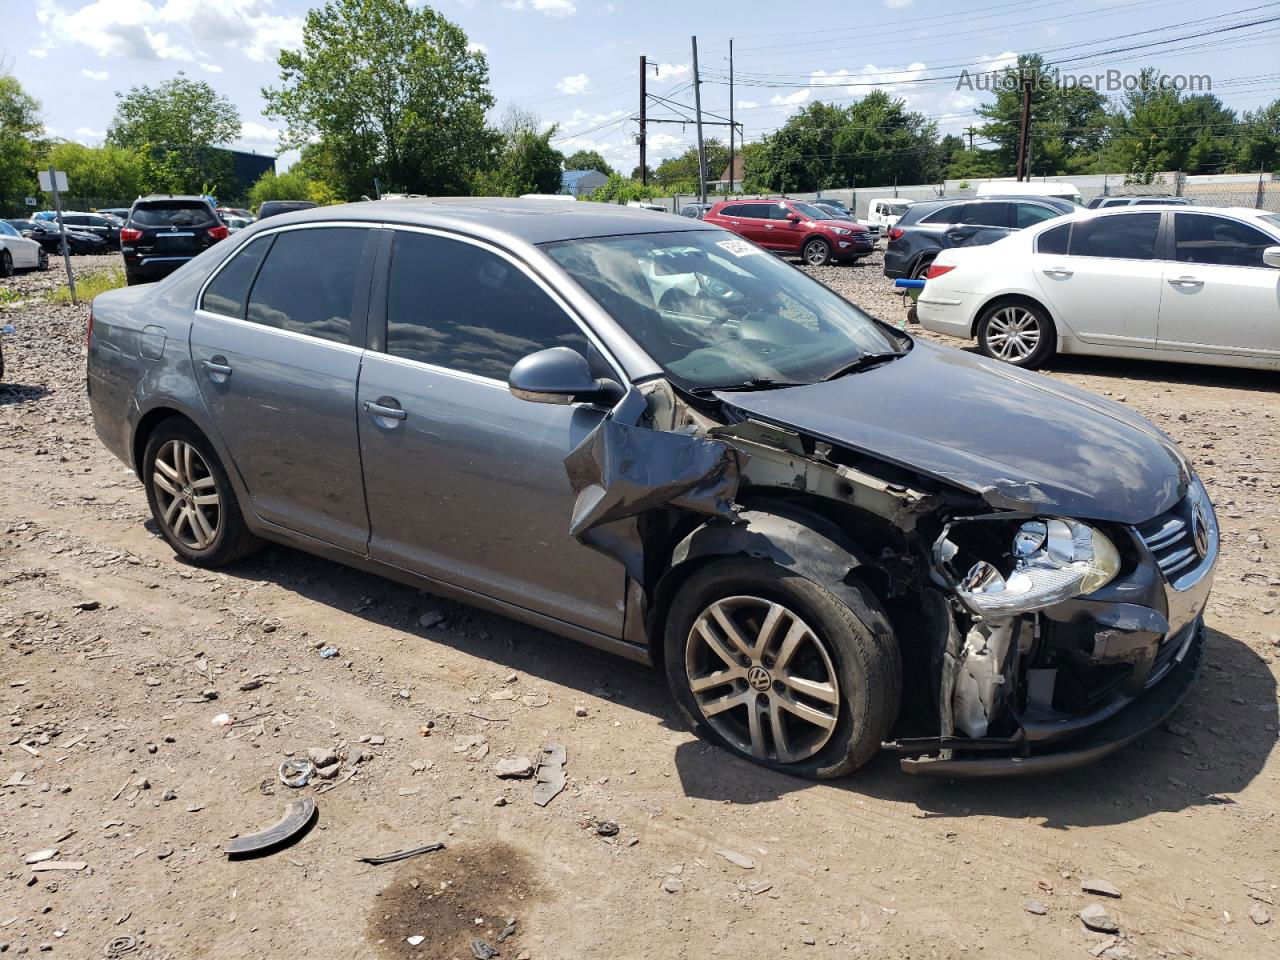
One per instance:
(296, 772)
(550, 775)
(395, 855)
(299, 815)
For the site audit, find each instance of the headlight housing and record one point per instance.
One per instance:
(1051, 560)
(842, 231)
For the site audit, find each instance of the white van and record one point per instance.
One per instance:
(1033, 188)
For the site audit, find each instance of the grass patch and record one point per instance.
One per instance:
(89, 285)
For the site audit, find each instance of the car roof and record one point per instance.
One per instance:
(531, 221)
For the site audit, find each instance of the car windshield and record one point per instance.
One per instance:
(810, 211)
(897, 209)
(172, 215)
(718, 312)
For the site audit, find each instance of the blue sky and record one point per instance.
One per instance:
(575, 62)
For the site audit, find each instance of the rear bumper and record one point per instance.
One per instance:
(1114, 730)
(153, 267)
(944, 312)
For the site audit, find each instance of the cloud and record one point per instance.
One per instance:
(169, 29)
(474, 47)
(672, 71)
(97, 75)
(747, 104)
(259, 133)
(790, 99)
(897, 4)
(210, 68)
(550, 8)
(1001, 61)
(578, 83)
(85, 133)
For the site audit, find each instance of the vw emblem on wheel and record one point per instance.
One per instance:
(759, 679)
(1200, 530)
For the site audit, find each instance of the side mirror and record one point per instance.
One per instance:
(559, 375)
(1271, 256)
(793, 217)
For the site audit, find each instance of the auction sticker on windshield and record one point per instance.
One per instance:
(739, 248)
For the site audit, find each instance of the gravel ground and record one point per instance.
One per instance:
(117, 659)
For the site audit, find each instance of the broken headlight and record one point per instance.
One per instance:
(1050, 560)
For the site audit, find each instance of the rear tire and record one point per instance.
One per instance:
(921, 269)
(1017, 332)
(816, 252)
(6, 264)
(191, 497)
(820, 710)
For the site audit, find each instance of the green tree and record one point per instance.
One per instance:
(622, 189)
(177, 127)
(635, 172)
(106, 175)
(1157, 128)
(20, 128)
(1259, 146)
(588, 160)
(392, 92)
(525, 161)
(873, 142)
(1068, 124)
(293, 184)
(682, 170)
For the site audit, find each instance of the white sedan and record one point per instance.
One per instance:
(1196, 284)
(19, 253)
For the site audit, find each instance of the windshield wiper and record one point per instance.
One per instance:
(863, 362)
(755, 383)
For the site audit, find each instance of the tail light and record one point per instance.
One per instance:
(895, 232)
(130, 235)
(218, 233)
(937, 270)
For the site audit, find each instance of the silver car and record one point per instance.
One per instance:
(654, 437)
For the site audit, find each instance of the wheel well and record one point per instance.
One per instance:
(1010, 298)
(146, 426)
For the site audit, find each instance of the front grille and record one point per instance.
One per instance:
(1171, 541)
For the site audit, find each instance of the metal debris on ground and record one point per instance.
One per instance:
(483, 951)
(298, 816)
(550, 773)
(296, 772)
(397, 855)
(328, 652)
(606, 828)
(508, 930)
(120, 946)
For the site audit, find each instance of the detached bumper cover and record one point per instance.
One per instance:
(1111, 733)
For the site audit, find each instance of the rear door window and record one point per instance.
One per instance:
(756, 211)
(307, 283)
(985, 214)
(172, 215)
(1029, 214)
(1122, 236)
(459, 306)
(228, 291)
(1204, 238)
(948, 214)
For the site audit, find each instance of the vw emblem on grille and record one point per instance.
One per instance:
(1200, 530)
(759, 679)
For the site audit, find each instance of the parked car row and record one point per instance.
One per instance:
(49, 237)
(795, 228)
(693, 454)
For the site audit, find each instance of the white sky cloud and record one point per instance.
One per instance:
(474, 47)
(211, 68)
(259, 133)
(747, 104)
(578, 83)
(789, 99)
(96, 75)
(672, 71)
(551, 8)
(84, 133)
(897, 4)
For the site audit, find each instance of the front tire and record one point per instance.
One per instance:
(42, 260)
(777, 669)
(6, 263)
(1017, 332)
(816, 253)
(191, 497)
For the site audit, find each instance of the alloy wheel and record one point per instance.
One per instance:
(187, 495)
(815, 254)
(1013, 333)
(762, 678)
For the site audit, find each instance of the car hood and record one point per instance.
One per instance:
(1018, 439)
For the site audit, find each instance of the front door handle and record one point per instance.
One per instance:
(1058, 273)
(1186, 282)
(217, 366)
(385, 407)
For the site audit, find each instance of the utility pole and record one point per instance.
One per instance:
(697, 107)
(644, 171)
(970, 131)
(731, 115)
(1024, 128)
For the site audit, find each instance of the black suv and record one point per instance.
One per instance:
(99, 224)
(164, 232)
(271, 208)
(935, 225)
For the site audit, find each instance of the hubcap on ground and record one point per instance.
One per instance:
(762, 678)
(187, 495)
(1013, 333)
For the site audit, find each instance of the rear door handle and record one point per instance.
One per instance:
(383, 407)
(1186, 282)
(1058, 273)
(217, 366)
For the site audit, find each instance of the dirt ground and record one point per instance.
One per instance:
(116, 659)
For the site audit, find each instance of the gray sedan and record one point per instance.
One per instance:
(651, 436)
